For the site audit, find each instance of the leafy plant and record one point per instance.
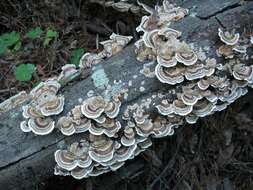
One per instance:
(9, 40)
(76, 55)
(23, 72)
(34, 33)
(50, 35)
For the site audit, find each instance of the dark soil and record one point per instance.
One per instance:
(214, 154)
(79, 24)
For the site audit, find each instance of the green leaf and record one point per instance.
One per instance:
(10, 39)
(24, 72)
(3, 48)
(49, 36)
(34, 33)
(17, 46)
(7, 40)
(76, 55)
(51, 33)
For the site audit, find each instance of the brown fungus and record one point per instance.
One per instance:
(229, 38)
(93, 107)
(75, 156)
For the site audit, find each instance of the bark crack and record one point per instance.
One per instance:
(32, 154)
(230, 7)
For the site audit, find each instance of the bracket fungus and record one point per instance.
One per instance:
(44, 103)
(229, 38)
(110, 47)
(121, 6)
(14, 101)
(202, 90)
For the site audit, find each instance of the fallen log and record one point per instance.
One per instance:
(25, 159)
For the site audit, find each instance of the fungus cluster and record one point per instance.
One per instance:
(95, 115)
(232, 44)
(176, 60)
(14, 101)
(105, 148)
(110, 47)
(94, 156)
(121, 6)
(205, 86)
(44, 103)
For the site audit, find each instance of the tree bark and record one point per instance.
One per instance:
(25, 159)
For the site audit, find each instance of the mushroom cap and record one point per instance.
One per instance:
(233, 94)
(68, 161)
(190, 97)
(102, 149)
(142, 51)
(166, 62)
(162, 128)
(66, 125)
(243, 72)
(41, 126)
(128, 138)
(30, 111)
(226, 51)
(180, 108)
(100, 119)
(145, 129)
(24, 127)
(229, 38)
(240, 49)
(191, 118)
(144, 25)
(121, 40)
(82, 126)
(170, 76)
(165, 108)
(112, 109)
(98, 170)
(116, 166)
(221, 107)
(203, 84)
(93, 107)
(195, 72)
(185, 55)
(89, 59)
(203, 108)
(150, 38)
(53, 106)
(51, 85)
(124, 153)
(76, 113)
(169, 32)
(14, 101)
(68, 71)
(139, 116)
(115, 44)
(209, 95)
(121, 6)
(145, 144)
(80, 173)
(177, 12)
(109, 128)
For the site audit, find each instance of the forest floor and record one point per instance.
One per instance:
(214, 154)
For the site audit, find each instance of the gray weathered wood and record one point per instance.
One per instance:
(25, 158)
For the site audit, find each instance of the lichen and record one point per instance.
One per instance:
(99, 77)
